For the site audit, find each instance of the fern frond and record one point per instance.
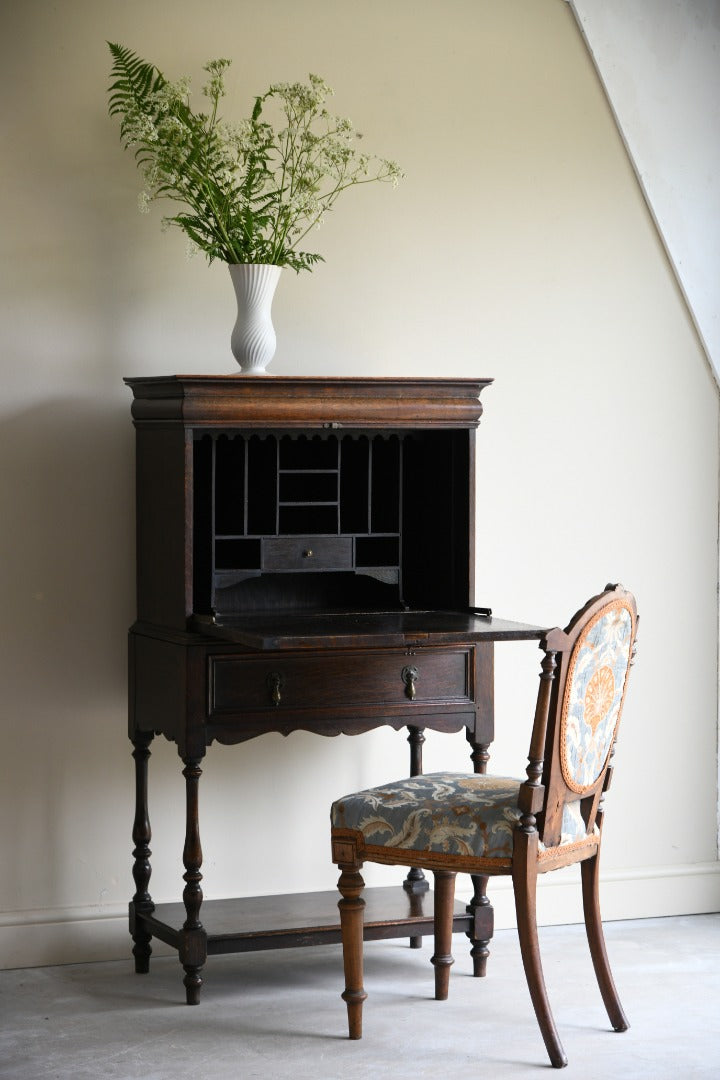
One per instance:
(134, 80)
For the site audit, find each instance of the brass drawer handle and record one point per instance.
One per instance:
(410, 676)
(275, 683)
(308, 553)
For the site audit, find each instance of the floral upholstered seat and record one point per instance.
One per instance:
(454, 813)
(444, 812)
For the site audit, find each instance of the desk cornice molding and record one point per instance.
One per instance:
(306, 402)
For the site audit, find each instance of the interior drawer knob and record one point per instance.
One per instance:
(410, 676)
(275, 683)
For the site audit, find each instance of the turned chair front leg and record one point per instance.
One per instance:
(442, 959)
(351, 908)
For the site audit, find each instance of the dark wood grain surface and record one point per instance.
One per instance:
(288, 631)
(265, 922)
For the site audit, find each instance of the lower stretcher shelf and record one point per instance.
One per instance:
(276, 922)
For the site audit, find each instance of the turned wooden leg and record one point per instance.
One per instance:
(525, 885)
(443, 921)
(415, 883)
(193, 950)
(590, 870)
(480, 907)
(351, 908)
(483, 921)
(141, 903)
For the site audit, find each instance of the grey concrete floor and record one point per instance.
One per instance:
(278, 1015)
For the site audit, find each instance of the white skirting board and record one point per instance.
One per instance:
(639, 893)
(84, 935)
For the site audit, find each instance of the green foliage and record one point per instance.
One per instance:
(250, 191)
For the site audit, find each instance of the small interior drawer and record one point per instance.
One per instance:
(307, 553)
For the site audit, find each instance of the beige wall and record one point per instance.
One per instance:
(518, 247)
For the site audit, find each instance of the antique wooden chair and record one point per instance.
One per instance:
(481, 824)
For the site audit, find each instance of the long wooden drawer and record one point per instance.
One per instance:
(368, 677)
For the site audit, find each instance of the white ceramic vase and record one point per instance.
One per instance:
(253, 338)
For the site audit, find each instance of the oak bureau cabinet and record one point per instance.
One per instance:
(305, 560)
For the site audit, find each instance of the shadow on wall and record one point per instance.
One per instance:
(67, 569)
(68, 544)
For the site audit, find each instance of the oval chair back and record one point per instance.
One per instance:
(589, 663)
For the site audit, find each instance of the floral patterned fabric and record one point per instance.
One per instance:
(594, 694)
(452, 813)
(573, 827)
(444, 812)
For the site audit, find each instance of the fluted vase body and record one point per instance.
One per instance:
(253, 339)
